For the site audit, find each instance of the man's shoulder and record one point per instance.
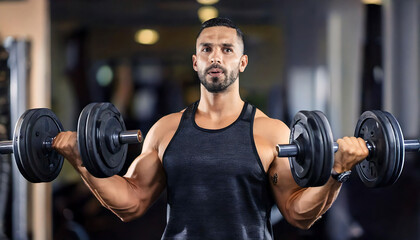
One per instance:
(170, 121)
(164, 129)
(273, 130)
(262, 119)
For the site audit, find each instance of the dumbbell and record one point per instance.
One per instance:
(311, 149)
(385, 162)
(102, 141)
(31, 145)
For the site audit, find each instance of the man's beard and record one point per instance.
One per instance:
(215, 85)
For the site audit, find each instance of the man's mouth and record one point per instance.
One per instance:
(215, 72)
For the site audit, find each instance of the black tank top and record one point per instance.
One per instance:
(217, 187)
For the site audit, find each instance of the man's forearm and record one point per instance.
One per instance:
(309, 204)
(115, 193)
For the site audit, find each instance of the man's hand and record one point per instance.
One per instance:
(65, 143)
(350, 152)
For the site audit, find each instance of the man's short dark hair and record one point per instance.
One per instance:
(222, 22)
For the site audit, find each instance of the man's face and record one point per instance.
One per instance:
(219, 58)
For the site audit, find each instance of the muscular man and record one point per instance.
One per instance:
(217, 158)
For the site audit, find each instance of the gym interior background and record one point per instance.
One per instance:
(339, 56)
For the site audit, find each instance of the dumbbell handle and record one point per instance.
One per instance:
(123, 137)
(368, 145)
(292, 150)
(130, 136)
(412, 145)
(6, 147)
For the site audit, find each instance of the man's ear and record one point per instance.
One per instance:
(243, 63)
(194, 60)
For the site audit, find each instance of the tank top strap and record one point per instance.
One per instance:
(248, 113)
(190, 111)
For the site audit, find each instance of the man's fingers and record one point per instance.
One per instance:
(362, 144)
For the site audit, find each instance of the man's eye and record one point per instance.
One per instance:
(207, 49)
(228, 50)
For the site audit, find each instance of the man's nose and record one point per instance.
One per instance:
(216, 57)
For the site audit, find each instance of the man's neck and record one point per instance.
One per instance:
(220, 105)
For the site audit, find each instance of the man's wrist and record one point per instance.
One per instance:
(340, 176)
(338, 168)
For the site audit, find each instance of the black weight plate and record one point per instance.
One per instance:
(317, 154)
(392, 149)
(311, 132)
(24, 169)
(328, 144)
(110, 124)
(98, 128)
(393, 160)
(298, 132)
(400, 156)
(44, 128)
(113, 154)
(81, 138)
(377, 169)
(35, 162)
(86, 131)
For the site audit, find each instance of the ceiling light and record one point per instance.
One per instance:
(207, 12)
(207, 2)
(104, 75)
(377, 2)
(147, 36)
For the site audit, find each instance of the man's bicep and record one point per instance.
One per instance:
(147, 170)
(282, 183)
